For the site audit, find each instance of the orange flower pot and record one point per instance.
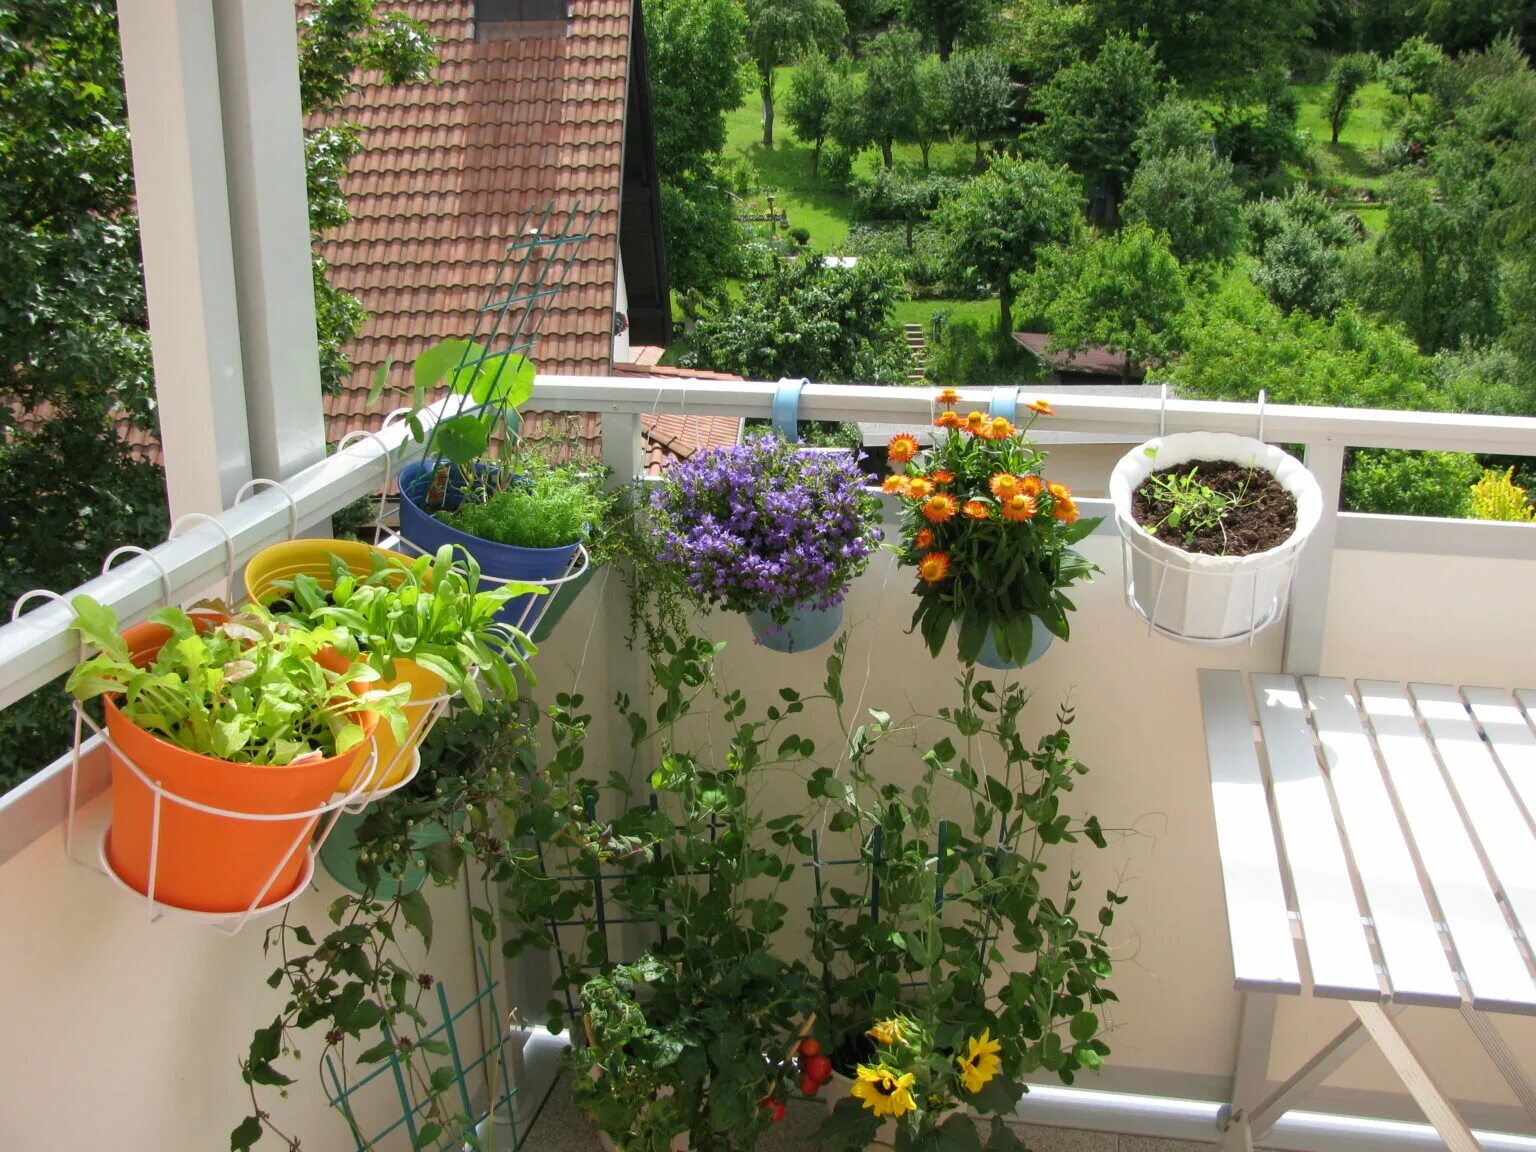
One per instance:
(312, 558)
(203, 861)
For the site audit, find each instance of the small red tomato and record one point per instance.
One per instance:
(779, 1109)
(818, 1068)
(809, 1086)
(810, 1046)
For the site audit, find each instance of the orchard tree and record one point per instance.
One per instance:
(1093, 112)
(891, 99)
(862, 16)
(1124, 292)
(778, 31)
(1347, 75)
(979, 95)
(947, 22)
(1412, 69)
(693, 47)
(892, 196)
(932, 120)
(808, 319)
(813, 96)
(995, 224)
(1214, 46)
(1183, 189)
(1300, 242)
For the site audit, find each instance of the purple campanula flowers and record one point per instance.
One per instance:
(767, 527)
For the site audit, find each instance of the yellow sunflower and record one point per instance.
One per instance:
(892, 1031)
(980, 1063)
(884, 1093)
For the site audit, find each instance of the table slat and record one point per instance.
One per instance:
(1338, 952)
(1495, 817)
(1417, 968)
(1496, 975)
(1263, 951)
(1514, 743)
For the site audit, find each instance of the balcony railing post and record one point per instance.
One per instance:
(170, 71)
(1307, 620)
(269, 224)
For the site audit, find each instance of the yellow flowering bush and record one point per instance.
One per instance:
(990, 537)
(1498, 497)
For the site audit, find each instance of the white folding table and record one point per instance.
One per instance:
(1377, 847)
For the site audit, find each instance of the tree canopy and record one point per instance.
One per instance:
(780, 30)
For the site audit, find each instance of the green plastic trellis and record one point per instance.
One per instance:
(404, 1120)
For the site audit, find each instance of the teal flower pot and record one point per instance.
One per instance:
(338, 856)
(1040, 638)
(809, 628)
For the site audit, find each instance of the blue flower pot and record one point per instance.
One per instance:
(1040, 638)
(497, 561)
(809, 628)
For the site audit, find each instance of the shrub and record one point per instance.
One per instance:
(801, 236)
(544, 507)
(836, 163)
(1398, 483)
(1497, 497)
(962, 352)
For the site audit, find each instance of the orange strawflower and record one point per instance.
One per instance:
(942, 476)
(997, 428)
(933, 567)
(947, 420)
(1040, 407)
(919, 488)
(949, 397)
(1019, 507)
(1065, 510)
(903, 447)
(923, 539)
(1004, 485)
(1031, 485)
(939, 508)
(1059, 491)
(975, 509)
(895, 485)
(974, 423)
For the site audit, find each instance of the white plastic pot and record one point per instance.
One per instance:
(1210, 599)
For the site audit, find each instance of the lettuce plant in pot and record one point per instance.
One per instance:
(1212, 525)
(989, 535)
(770, 531)
(477, 488)
(234, 713)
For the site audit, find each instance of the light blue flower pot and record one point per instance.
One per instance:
(1040, 638)
(338, 856)
(809, 628)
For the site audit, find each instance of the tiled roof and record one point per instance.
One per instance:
(448, 170)
(1092, 361)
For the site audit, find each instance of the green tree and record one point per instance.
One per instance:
(806, 319)
(1184, 190)
(1411, 70)
(891, 99)
(1468, 25)
(1346, 76)
(1214, 46)
(862, 16)
(1296, 269)
(780, 30)
(813, 97)
(892, 196)
(996, 223)
(1038, 38)
(694, 48)
(1093, 112)
(947, 23)
(979, 95)
(1435, 268)
(932, 118)
(1124, 292)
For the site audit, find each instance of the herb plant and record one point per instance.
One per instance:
(990, 537)
(531, 503)
(429, 610)
(1190, 507)
(243, 688)
(766, 527)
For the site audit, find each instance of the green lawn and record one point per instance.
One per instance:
(921, 311)
(1355, 161)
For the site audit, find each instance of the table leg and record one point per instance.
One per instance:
(1498, 1051)
(1250, 1071)
(1434, 1103)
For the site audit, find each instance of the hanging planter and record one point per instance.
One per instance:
(426, 490)
(990, 537)
(338, 856)
(1212, 525)
(771, 531)
(190, 828)
(270, 575)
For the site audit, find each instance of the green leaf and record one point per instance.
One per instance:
(245, 1134)
(433, 364)
(413, 905)
(1084, 1025)
(442, 1078)
(429, 1134)
(958, 1134)
(462, 438)
(380, 379)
